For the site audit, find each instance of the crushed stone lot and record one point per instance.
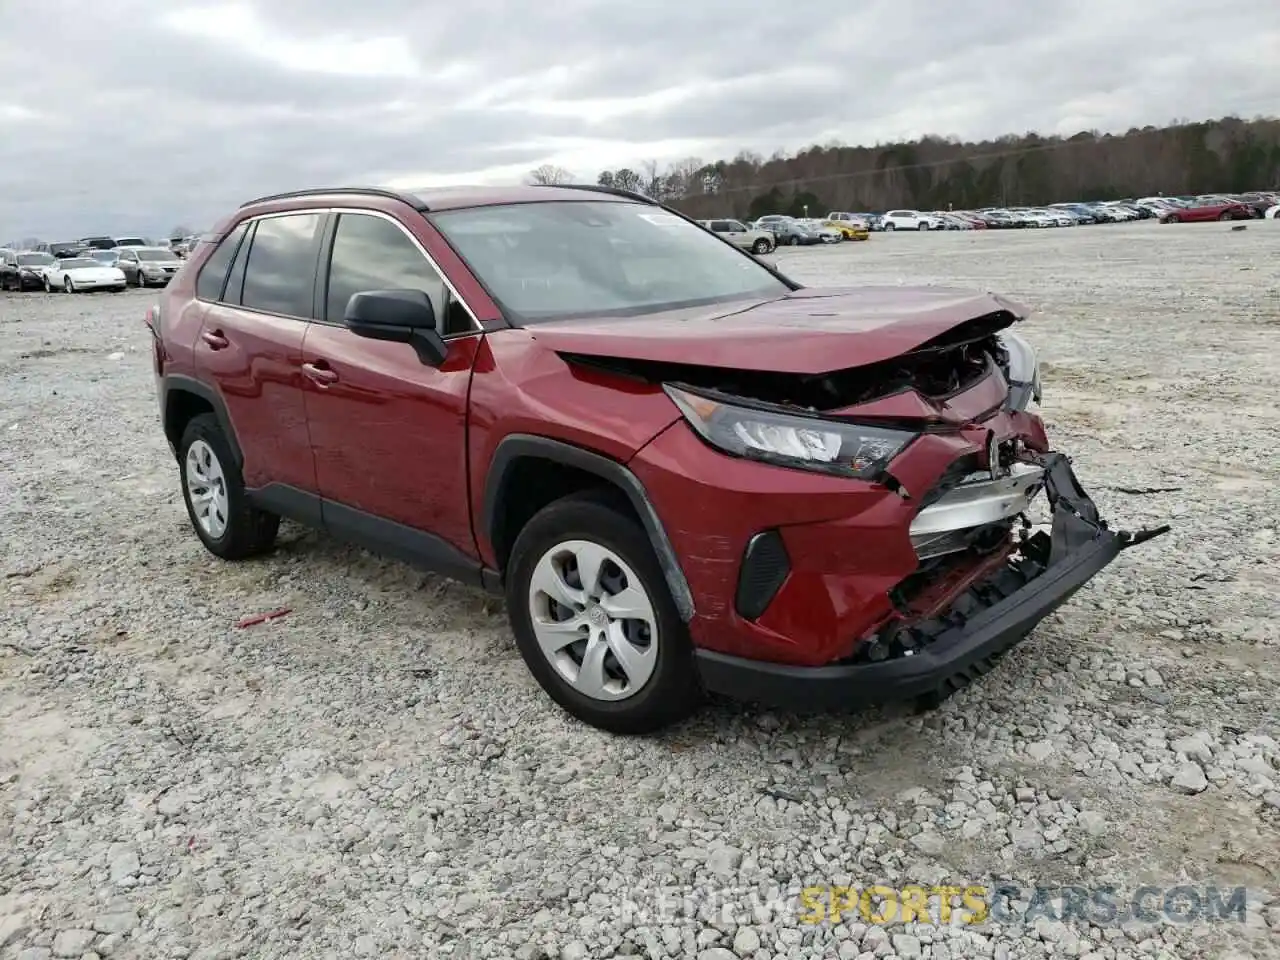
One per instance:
(376, 775)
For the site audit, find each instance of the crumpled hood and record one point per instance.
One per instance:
(814, 330)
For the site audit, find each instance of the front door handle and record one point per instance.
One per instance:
(215, 339)
(320, 372)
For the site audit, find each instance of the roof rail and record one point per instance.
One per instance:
(601, 188)
(412, 201)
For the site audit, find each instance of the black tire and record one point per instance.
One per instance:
(923, 225)
(1171, 218)
(1226, 215)
(48, 287)
(68, 286)
(673, 691)
(889, 227)
(249, 531)
(760, 246)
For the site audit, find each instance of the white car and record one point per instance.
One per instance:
(82, 273)
(910, 220)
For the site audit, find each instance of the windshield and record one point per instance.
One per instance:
(154, 254)
(600, 258)
(131, 242)
(34, 259)
(77, 262)
(106, 256)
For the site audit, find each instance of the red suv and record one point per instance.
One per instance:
(685, 471)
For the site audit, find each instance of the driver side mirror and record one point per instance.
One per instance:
(398, 316)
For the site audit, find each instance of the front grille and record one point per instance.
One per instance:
(765, 566)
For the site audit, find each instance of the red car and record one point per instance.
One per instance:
(685, 471)
(1208, 208)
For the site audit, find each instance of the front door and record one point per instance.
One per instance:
(389, 432)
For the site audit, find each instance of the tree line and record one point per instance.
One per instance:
(935, 173)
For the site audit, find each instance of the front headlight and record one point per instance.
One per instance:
(786, 439)
(1024, 371)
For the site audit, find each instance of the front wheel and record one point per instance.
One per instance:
(48, 287)
(68, 286)
(1172, 218)
(1225, 215)
(889, 227)
(594, 620)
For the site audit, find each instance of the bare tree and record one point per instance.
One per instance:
(549, 173)
(181, 230)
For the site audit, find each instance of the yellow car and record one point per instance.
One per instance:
(850, 231)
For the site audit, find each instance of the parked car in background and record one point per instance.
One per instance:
(133, 242)
(60, 248)
(98, 243)
(848, 229)
(828, 234)
(105, 257)
(792, 233)
(742, 236)
(147, 266)
(23, 270)
(910, 220)
(79, 274)
(843, 216)
(1203, 209)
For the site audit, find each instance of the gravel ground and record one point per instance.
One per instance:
(376, 775)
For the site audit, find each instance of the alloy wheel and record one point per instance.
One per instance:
(593, 620)
(207, 489)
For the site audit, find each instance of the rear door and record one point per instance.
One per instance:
(388, 431)
(250, 345)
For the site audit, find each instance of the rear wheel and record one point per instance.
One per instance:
(924, 225)
(224, 520)
(760, 246)
(594, 620)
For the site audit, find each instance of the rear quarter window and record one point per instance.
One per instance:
(213, 273)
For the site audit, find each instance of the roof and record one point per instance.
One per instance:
(455, 198)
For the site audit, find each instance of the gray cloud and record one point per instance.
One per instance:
(133, 116)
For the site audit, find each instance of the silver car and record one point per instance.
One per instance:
(147, 266)
(742, 236)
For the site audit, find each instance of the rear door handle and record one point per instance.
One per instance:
(215, 339)
(320, 372)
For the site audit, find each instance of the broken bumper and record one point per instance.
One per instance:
(964, 643)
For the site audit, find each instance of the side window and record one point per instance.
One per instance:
(720, 226)
(736, 227)
(372, 253)
(281, 269)
(213, 275)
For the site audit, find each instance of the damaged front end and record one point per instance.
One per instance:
(1021, 576)
(962, 610)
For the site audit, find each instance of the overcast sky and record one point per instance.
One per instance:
(136, 115)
